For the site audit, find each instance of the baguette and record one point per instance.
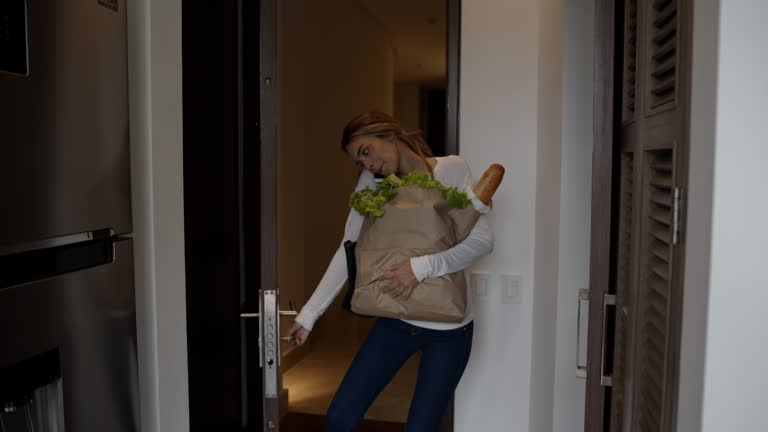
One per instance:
(488, 183)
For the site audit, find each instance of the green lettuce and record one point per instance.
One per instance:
(370, 202)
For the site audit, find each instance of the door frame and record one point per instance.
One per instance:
(223, 56)
(215, 285)
(266, 110)
(604, 131)
(453, 73)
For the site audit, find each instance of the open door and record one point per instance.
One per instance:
(229, 168)
(222, 251)
(232, 145)
(335, 59)
(642, 82)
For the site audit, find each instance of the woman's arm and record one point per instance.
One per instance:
(326, 291)
(336, 273)
(405, 276)
(478, 243)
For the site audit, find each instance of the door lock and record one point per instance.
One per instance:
(269, 337)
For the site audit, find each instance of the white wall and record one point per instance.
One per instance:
(498, 118)
(548, 210)
(725, 286)
(575, 207)
(336, 63)
(698, 223)
(154, 58)
(526, 97)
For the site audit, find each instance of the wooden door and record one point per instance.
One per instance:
(640, 165)
(222, 214)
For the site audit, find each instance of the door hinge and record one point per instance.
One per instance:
(677, 210)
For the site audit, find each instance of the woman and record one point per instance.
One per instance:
(377, 143)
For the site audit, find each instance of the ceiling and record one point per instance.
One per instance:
(417, 29)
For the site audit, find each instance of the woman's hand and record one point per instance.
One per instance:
(299, 334)
(402, 281)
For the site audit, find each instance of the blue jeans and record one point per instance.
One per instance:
(390, 343)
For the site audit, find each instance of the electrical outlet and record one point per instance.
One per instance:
(479, 283)
(511, 289)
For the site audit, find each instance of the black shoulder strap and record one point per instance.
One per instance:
(349, 249)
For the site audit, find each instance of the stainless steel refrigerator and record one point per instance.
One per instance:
(68, 357)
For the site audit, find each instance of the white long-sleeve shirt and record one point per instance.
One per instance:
(450, 171)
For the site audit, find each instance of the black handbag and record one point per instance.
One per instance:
(349, 249)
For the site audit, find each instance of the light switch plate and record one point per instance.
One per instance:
(479, 283)
(511, 289)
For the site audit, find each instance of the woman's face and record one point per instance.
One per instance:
(378, 155)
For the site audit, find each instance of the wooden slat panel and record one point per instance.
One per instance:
(662, 253)
(663, 55)
(662, 52)
(630, 61)
(665, 14)
(664, 87)
(662, 215)
(662, 181)
(661, 272)
(664, 34)
(664, 69)
(654, 292)
(662, 235)
(661, 198)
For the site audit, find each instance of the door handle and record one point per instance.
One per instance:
(256, 315)
(606, 380)
(291, 312)
(581, 333)
(285, 338)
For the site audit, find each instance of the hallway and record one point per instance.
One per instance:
(312, 382)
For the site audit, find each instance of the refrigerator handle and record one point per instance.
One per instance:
(53, 242)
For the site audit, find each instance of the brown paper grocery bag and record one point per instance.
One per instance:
(416, 222)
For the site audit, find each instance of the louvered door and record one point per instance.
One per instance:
(640, 371)
(654, 376)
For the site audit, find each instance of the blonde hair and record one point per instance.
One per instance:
(382, 125)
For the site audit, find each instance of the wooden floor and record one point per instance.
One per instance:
(313, 381)
(300, 422)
